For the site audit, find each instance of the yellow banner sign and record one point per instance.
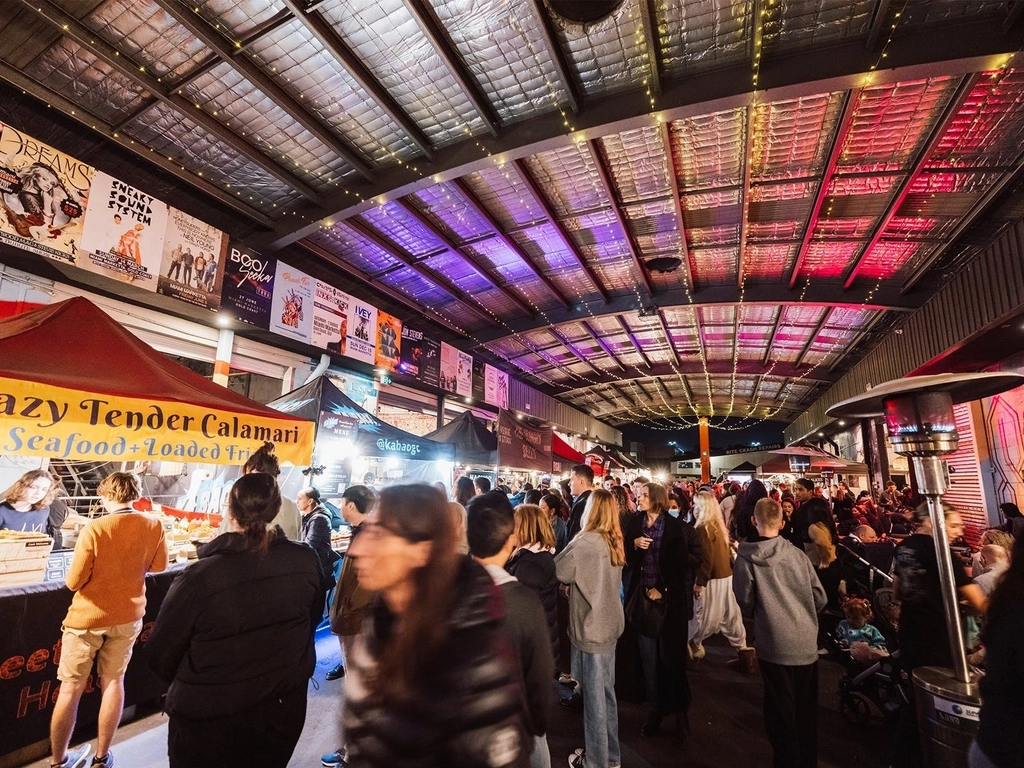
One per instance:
(42, 420)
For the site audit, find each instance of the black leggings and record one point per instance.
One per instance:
(263, 736)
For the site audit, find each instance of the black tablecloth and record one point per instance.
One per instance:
(30, 622)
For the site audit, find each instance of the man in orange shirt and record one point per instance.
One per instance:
(108, 577)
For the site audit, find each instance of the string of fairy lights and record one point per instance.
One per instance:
(440, 109)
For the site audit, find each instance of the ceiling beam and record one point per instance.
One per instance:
(79, 115)
(396, 296)
(855, 344)
(826, 294)
(510, 242)
(435, 32)
(878, 25)
(549, 211)
(325, 35)
(748, 159)
(977, 209)
(826, 315)
(572, 348)
(845, 123)
(636, 342)
(934, 139)
(74, 29)
(757, 13)
(780, 412)
(968, 45)
(693, 367)
(771, 337)
(677, 205)
(497, 281)
(243, 65)
(1012, 15)
(660, 315)
(668, 396)
(609, 185)
(652, 47)
(557, 56)
(603, 345)
(422, 270)
(632, 399)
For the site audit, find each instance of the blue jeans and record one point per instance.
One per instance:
(595, 673)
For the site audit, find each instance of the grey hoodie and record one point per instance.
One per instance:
(595, 610)
(776, 586)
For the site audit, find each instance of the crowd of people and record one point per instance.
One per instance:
(459, 618)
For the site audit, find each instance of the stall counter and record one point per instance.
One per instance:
(31, 616)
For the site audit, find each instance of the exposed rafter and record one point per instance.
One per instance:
(935, 137)
(771, 337)
(70, 26)
(748, 160)
(849, 109)
(76, 113)
(856, 342)
(557, 56)
(434, 31)
(510, 242)
(603, 344)
(660, 315)
(329, 39)
(496, 281)
(420, 269)
(826, 315)
(215, 41)
(392, 294)
(652, 48)
(635, 341)
(620, 216)
(555, 222)
(677, 205)
(714, 367)
(575, 351)
(879, 19)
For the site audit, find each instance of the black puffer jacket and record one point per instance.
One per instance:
(536, 570)
(236, 628)
(466, 711)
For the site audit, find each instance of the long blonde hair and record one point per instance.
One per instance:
(602, 515)
(533, 527)
(708, 512)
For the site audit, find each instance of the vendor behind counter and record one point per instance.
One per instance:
(31, 504)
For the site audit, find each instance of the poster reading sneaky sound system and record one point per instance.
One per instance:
(124, 233)
(193, 261)
(43, 195)
(291, 313)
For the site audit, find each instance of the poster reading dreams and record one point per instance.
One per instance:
(43, 195)
(248, 285)
(389, 341)
(449, 367)
(291, 312)
(330, 318)
(193, 263)
(362, 331)
(124, 231)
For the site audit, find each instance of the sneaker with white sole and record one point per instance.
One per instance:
(337, 759)
(75, 758)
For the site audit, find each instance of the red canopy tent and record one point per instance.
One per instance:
(565, 455)
(75, 384)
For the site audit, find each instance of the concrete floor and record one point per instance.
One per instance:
(725, 721)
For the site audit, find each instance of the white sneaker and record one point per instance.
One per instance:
(76, 758)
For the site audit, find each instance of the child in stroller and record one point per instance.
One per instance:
(873, 675)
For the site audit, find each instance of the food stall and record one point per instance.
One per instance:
(564, 456)
(524, 447)
(76, 385)
(476, 447)
(352, 446)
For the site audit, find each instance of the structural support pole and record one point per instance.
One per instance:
(222, 365)
(705, 450)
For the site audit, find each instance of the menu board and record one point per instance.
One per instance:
(362, 331)
(389, 341)
(330, 318)
(291, 311)
(449, 367)
(123, 236)
(464, 382)
(43, 195)
(248, 288)
(193, 260)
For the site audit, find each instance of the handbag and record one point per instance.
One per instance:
(645, 615)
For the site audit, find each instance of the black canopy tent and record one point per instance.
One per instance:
(475, 445)
(354, 446)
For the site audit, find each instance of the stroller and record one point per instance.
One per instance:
(883, 683)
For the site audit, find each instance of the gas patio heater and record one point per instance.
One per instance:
(919, 421)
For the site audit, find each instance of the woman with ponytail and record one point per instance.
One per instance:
(234, 637)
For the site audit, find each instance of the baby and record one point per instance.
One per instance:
(865, 643)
